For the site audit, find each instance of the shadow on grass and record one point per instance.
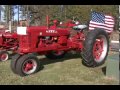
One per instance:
(46, 61)
(68, 56)
(104, 70)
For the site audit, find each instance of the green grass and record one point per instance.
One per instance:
(68, 71)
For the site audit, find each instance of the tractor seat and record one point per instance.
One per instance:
(80, 27)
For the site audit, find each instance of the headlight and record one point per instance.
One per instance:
(76, 22)
(22, 30)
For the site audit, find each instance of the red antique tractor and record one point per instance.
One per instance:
(8, 42)
(54, 43)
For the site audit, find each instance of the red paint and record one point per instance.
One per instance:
(28, 66)
(42, 39)
(98, 49)
(3, 56)
(8, 41)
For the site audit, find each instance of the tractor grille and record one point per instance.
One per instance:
(24, 43)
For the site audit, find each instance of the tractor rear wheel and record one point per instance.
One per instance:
(27, 64)
(4, 56)
(96, 47)
(55, 55)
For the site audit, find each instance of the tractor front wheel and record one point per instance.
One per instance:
(27, 64)
(4, 56)
(96, 47)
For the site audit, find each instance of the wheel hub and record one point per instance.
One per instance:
(4, 57)
(98, 49)
(29, 66)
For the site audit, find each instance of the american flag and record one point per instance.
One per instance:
(99, 20)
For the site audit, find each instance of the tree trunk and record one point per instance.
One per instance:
(13, 20)
(0, 11)
(27, 17)
(18, 15)
(10, 18)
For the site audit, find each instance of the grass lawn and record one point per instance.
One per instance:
(58, 72)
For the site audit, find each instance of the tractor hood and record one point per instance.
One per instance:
(42, 31)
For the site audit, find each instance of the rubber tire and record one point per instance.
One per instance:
(1, 52)
(87, 53)
(22, 59)
(13, 62)
(52, 56)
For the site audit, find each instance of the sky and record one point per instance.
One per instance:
(15, 17)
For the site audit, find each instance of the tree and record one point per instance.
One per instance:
(65, 12)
